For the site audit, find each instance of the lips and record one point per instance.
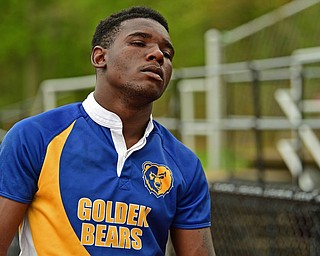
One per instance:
(153, 71)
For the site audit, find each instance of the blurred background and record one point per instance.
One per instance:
(245, 96)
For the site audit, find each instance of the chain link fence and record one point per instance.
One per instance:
(250, 219)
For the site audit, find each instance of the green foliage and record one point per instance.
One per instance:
(44, 39)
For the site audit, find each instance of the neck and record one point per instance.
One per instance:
(134, 126)
(134, 118)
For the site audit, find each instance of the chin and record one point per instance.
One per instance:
(147, 93)
(149, 97)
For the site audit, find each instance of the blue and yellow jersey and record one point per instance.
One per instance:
(89, 195)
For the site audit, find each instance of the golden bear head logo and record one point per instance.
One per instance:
(157, 178)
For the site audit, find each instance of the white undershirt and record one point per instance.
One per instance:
(112, 121)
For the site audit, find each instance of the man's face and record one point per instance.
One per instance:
(139, 62)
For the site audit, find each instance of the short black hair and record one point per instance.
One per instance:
(108, 28)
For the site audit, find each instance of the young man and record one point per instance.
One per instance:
(102, 177)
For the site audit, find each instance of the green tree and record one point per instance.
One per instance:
(44, 39)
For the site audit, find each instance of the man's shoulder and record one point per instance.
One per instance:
(50, 122)
(62, 113)
(172, 144)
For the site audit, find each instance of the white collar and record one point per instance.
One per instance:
(105, 117)
(112, 121)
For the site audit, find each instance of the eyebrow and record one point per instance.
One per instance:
(167, 43)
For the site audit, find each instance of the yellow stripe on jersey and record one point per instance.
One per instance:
(47, 206)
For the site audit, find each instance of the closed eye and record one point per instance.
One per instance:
(167, 55)
(138, 43)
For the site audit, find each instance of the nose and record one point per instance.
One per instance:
(156, 54)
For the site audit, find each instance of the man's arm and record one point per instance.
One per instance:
(194, 242)
(11, 215)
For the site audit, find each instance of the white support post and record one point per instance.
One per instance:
(213, 98)
(187, 88)
(289, 155)
(288, 106)
(311, 141)
(49, 97)
(50, 88)
(187, 113)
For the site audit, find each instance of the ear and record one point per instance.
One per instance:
(98, 57)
